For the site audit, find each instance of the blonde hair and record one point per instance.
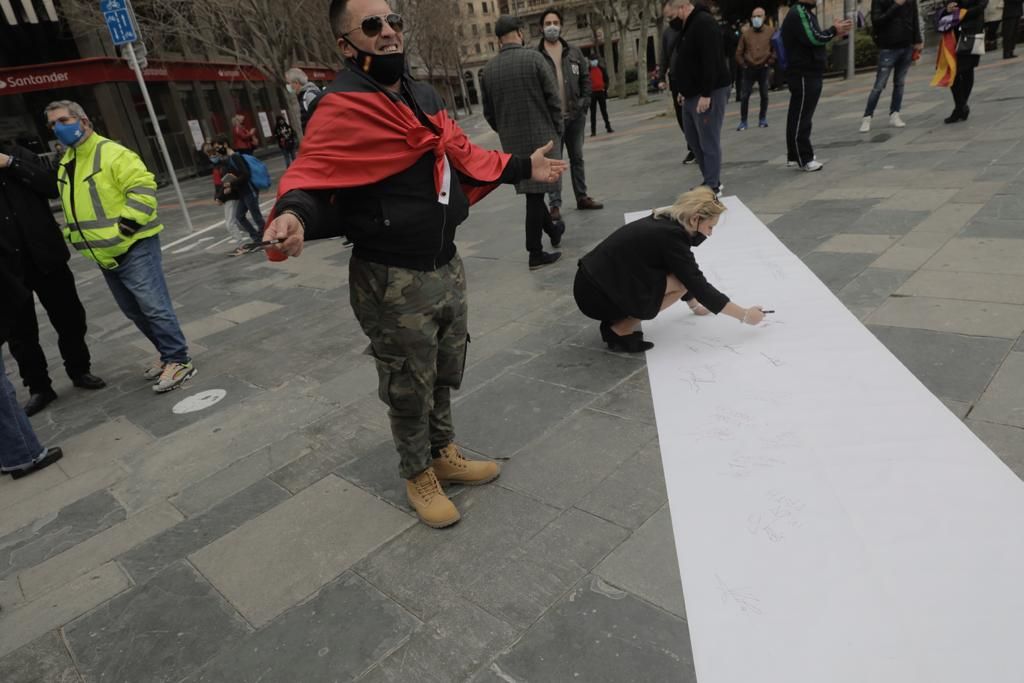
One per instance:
(700, 201)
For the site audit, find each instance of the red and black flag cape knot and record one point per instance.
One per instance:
(361, 134)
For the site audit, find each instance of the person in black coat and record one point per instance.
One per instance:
(971, 24)
(21, 453)
(647, 265)
(1012, 12)
(32, 250)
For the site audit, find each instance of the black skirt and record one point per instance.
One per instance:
(593, 302)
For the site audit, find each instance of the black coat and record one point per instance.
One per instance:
(895, 26)
(631, 264)
(29, 235)
(698, 64)
(974, 21)
(1013, 9)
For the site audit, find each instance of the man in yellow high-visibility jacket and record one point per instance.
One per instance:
(110, 206)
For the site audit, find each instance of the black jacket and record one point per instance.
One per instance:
(895, 26)
(29, 235)
(805, 42)
(576, 75)
(397, 221)
(631, 264)
(974, 21)
(698, 63)
(1013, 9)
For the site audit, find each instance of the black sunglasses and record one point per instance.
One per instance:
(372, 26)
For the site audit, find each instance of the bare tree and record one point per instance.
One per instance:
(267, 34)
(432, 36)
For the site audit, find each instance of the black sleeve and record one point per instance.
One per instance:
(683, 265)
(517, 170)
(240, 167)
(319, 210)
(915, 14)
(30, 170)
(710, 42)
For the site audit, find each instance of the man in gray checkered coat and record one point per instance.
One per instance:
(521, 103)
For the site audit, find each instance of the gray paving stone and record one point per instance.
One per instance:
(73, 524)
(1008, 289)
(377, 472)
(937, 359)
(837, 270)
(1005, 441)
(532, 578)
(510, 412)
(487, 369)
(633, 492)
(984, 226)
(337, 635)
(886, 221)
(271, 563)
(1005, 207)
(424, 570)
(872, 287)
(322, 459)
(602, 635)
(47, 503)
(982, 318)
(576, 456)
(646, 565)
(154, 413)
(1001, 401)
(150, 558)
(160, 631)
(582, 369)
(453, 645)
(631, 399)
(44, 660)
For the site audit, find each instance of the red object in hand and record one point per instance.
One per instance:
(916, 56)
(276, 254)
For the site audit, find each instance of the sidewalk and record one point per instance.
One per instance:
(265, 536)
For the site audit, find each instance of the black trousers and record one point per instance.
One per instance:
(804, 93)
(57, 293)
(538, 222)
(679, 117)
(964, 82)
(750, 75)
(599, 98)
(1010, 25)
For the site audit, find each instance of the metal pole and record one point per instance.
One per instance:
(159, 134)
(851, 48)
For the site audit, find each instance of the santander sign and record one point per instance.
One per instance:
(34, 81)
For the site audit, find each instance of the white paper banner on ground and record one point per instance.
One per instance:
(834, 522)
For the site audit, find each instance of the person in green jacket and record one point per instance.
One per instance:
(110, 205)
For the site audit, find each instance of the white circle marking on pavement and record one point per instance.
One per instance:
(200, 401)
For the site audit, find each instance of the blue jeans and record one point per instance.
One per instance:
(249, 202)
(140, 291)
(572, 139)
(289, 156)
(19, 446)
(704, 134)
(889, 60)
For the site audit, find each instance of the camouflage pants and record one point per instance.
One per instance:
(416, 322)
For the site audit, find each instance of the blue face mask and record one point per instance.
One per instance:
(214, 160)
(70, 134)
(757, 22)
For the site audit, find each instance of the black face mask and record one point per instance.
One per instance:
(676, 24)
(696, 239)
(385, 69)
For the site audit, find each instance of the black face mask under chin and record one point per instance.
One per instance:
(697, 238)
(385, 69)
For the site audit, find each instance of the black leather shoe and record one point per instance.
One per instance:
(631, 343)
(557, 230)
(88, 381)
(37, 402)
(543, 258)
(52, 456)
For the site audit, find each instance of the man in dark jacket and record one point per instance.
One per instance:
(572, 73)
(898, 36)
(669, 43)
(521, 104)
(21, 453)
(700, 75)
(805, 42)
(33, 251)
(399, 200)
(306, 92)
(1012, 12)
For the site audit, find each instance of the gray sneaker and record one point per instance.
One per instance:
(173, 376)
(153, 371)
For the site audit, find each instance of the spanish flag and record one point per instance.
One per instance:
(945, 63)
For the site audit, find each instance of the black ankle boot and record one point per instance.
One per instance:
(631, 343)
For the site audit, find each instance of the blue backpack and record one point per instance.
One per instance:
(780, 51)
(260, 176)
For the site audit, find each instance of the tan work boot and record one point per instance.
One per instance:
(428, 500)
(451, 466)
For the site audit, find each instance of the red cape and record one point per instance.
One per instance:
(361, 138)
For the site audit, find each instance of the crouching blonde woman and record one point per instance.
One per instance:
(647, 265)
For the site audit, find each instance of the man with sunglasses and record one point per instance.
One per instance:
(397, 184)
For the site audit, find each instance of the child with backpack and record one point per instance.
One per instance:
(248, 176)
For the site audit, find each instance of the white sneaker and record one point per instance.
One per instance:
(153, 371)
(173, 376)
(792, 164)
(865, 125)
(895, 121)
(813, 165)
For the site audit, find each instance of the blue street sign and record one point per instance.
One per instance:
(120, 21)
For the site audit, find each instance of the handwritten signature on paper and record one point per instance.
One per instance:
(743, 466)
(747, 602)
(782, 516)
